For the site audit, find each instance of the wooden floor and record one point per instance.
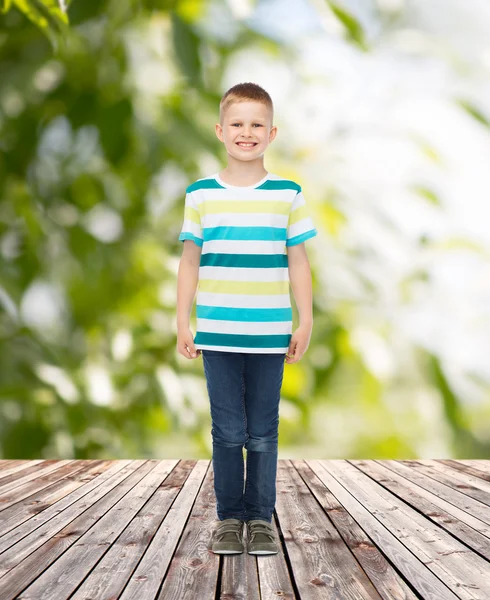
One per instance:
(141, 529)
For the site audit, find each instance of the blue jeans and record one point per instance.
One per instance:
(244, 392)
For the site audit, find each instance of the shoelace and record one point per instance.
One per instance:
(258, 528)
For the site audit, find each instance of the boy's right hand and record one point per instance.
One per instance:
(185, 344)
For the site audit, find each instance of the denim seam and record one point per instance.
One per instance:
(244, 423)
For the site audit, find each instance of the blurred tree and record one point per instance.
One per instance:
(104, 114)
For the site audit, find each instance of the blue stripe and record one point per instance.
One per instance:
(297, 239)
(270, 184)
(251, 261)
(223, 313)
(204, 184)
(243, 341)
(274, 234)
(279, 184)
(185, 235)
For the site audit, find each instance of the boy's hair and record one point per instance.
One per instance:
(242, 92)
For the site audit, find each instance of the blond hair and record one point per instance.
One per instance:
(242, 92)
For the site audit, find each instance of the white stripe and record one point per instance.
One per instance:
(244, 247)
(300, 227)
(244, 350)
(232, 195)
(245, 220)
(244, 300)
(191, 227)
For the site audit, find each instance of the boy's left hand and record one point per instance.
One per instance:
(298, 344)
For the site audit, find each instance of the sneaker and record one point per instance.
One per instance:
(228, 537)
(261, 537)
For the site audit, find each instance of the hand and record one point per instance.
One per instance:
(298, 344)
(185, 344)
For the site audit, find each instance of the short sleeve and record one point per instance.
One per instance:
(191, 228)
(300, 224)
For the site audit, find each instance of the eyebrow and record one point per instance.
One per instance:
(237, 119)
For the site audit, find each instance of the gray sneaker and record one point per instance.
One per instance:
(261, 537)
(228, 537)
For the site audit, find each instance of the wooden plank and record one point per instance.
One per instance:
(463, 571)
(442, 513)
(136, 530)
(466, 484)
(26, 530)
(79, 473)
(469, 469)
(479, 465)
(383, 576)
(272, 570)
(194, 569)
(463, 473)
(321, 562)
(424, 582)
(60, 581)
(142, 553)
(239, 577)
(10, 466)
(17, 486)
(478, 512)
(34, 553)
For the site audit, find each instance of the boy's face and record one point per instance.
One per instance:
(246, 121)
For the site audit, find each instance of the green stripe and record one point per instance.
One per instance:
(242, 341)
(251, 261)
(270, 184)
(203, 184)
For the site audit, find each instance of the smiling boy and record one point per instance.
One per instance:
(244, 231)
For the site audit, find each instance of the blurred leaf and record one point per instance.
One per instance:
(427, 194)
(466, 443)
(186, 46)
(114, 123)
(474, 112)
(458, 243)
(190, 10)
(331, 218)
(353, 27)
(427, 148)
(48, 15)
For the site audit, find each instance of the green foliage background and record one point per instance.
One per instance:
(68, 390)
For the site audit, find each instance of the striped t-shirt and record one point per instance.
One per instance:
(243, 302)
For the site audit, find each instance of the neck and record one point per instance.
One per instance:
(243, 173)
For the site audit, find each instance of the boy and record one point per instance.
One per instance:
(243, 235)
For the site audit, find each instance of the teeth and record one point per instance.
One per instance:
(245, 144)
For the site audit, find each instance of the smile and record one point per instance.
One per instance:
(246, 144)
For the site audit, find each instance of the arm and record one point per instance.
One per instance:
(300, 278)
(187, 280)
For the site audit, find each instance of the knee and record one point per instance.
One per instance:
(228, 439)
(262, 444)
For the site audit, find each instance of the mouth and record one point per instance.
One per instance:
(246, 144)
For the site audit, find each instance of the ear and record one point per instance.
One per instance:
(219, 132)
(272, 134)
